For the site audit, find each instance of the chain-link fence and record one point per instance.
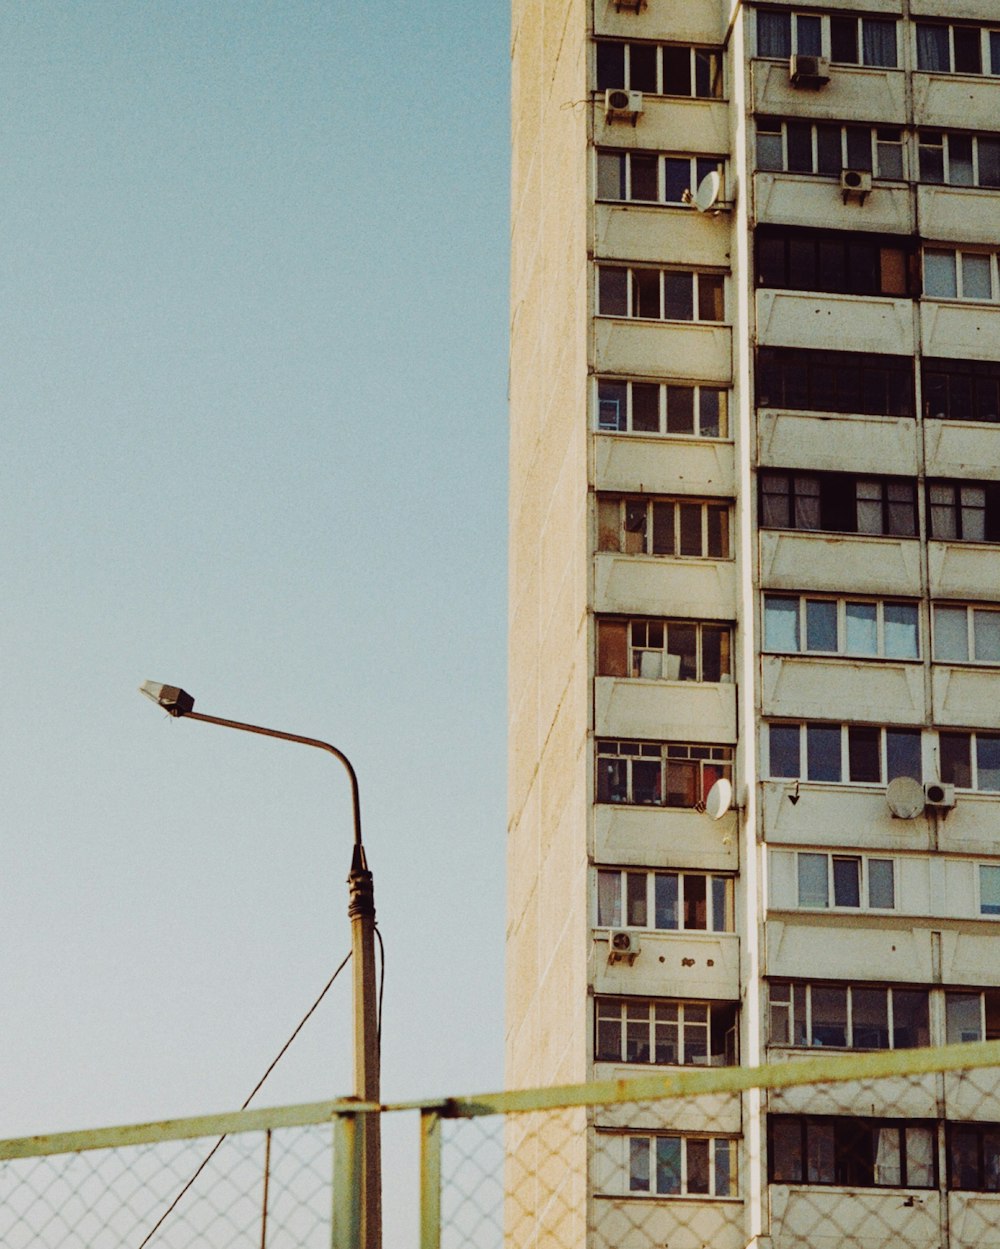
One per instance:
(871, 1151)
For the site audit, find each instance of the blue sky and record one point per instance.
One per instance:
(253, 273)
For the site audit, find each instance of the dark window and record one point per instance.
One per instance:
(670, 69)
(835, 381)
(964, 511)
(838, 263)
(974, 1157)
(866, 1153)
(837, 503)
(962, 390)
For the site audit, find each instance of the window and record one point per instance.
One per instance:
(972, 1016)
(959, 159)
(668, 650)
(964, 511)
(863, 1153)
(666, 774)
(989, 889)
(947, 49)
(794, 145)
(829, 626)
(660, 294)
(666, 1033)
(659, 69)
(845, 40)
(849, 881)
(961, 390)
(834, 262)
(838, 503)
(967, 634)
(669, 408)
(638, 525)
(682, 1166)
(834, 381)
(868, 1017)
(848, 753)
(664, 901)
(970, 760)
(974, 1157)
(651, 177)
(950, 274)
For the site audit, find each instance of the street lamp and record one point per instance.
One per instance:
(361, 911)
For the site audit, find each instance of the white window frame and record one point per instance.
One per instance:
(985, 867)
(718, 163)
(728, 1142)
(845, 760)
(715, 760)
(728, 916)
(946, 137)
(826, 41)
(807, 986)
(663, 409)
(693, 50)
(864, 883)
(677, 503)
(634, 652)
(696, 276)
(958, 255)
(971, 610)
(985, 53)
(973, 992)
(774, 125)
(644, 1011)
(842, 605)
(973, 735)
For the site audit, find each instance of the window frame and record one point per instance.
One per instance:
(930, 140)
(989, 56)
(683, 1191)
(971, 610)
(974, 736)
(967, 385)
(848, 1126)
(633, 292)
(634, 651)
(618, 1012)
(977, 1132)
(826, 40)
(845, 747)
(699, 166)
(818, 373)
(778, 127)
(713, 54)
(717, 908)
(699, 393)
(867, 264)
(722, 509)
(842, 603)
(832, 492)
(959, 509)
(710, 765)
(864, 880)
(801, 992)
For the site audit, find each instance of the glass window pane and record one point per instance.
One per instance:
(920, 1150)
(680, 410)
(900, 631)
(714, 653)
(644, 185)
(903, 753)
(829, 1016)
(963, 1156)
(691, 535)
(696, 903)
(878, 38)
(846, 881)
(989, 159)
(968, 50)
(940, 278)
(863, 754)
(986, 635)
(645, 407)
(712, 412)
(786, 1151)
(612, 410)
(783, 750)
(642, 67)
(609, 899)
(718, 531)
(611, 175)
(987, 762)
(770, 153)
(665, 900)
(829, 152)
(932, 48)
(711, 297)
(646, 294)
(951, 633)
(676, 71)
(610, 65)
(725, 1168)
(823, 762)
(881, 884)
(989, 889)
(697, 1165)
(931, 153)
(844, 40)
(668, 1164)
(678, 178)
(861, 628)
(638, 1169)
(612, 292)
(910, 1018)
(976, 279)
(678, 296)
(870, 1018)
(781, 623)
(963, 1017)
(808, 35)
(821, 625)
(888, 1168)
(813, 884)
(956, 759)
(820, 1168)
(960, 160)
(800, 148)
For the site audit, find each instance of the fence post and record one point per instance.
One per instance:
(346, 1220)
(430, 1180)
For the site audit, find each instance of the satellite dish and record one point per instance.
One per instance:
(707, 194)
(905, 797)
(720, 799)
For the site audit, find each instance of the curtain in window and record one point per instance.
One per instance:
(887, 1157)
(774, 34)
(807, 503)
(932, 48)
(919, 1157)
(878, 42)
(609, 899)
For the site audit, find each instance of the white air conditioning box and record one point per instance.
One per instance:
(622, 105)
(856, 184)
(939, 795)
(623, 946)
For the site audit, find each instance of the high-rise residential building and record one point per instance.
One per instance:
(755, 538)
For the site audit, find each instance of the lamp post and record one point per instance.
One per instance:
(361, 911)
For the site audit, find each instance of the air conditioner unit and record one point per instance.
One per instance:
(809, 71)
(623, 946)
(621, 104)
(939, 795)
(631, 6)
(855, 184)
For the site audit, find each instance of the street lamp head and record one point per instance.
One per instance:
(175, 701)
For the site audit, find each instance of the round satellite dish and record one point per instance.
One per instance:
(720, 799)
(905, 797)
(707, 194)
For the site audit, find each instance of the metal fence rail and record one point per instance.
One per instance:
(896, 1148)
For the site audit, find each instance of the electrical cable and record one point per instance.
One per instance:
(381, 988)
(256, 1089)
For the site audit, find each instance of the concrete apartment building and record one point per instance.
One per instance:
(755, 536)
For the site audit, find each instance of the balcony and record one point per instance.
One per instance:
(801, 687)
(700, 589)
(959, 214)
(864, 444)
(836, 322)
(684, 711)
(960, 448)
(657, 837)
(801, 200)
(663, 349)
(963, 570)
(966, 696)
(658, 465)
(852, 94)
(622, 1219)
(855, 947)
(903, 1097)
(822, 814)
(799, 560)
(691, 965)
(702, 23)
(946, 101)
(661, 235)
(863, 1218)
(962, 331)
(667, 124)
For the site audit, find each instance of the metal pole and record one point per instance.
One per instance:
(361, 912)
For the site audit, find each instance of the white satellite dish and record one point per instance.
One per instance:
(720, 799)
(905, 797)
(708, 192)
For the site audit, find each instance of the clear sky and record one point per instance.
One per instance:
(253, 277)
